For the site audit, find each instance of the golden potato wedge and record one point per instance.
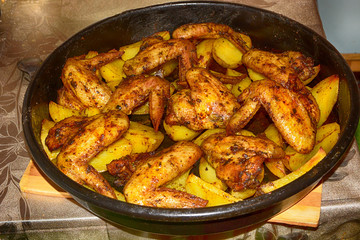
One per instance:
(271, 186)
(130, 50)
(143, 138)
(326, 137)
(199, 140)
(143, 109)
(326, 94)
(179, 182)
(118, 149)
(207, 191)
(58, 112)
(45, 127)
(208, 174)
(113, 72)
(238, 88)
(164, 34)
(226, 54)
(180, 133)
(316, 72)
(91, 54)
(204, 52)
(272, 133)
(90, 111)
(169, 67)
(255, 76)
(244, 194)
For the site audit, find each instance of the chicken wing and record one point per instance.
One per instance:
(145, 184)
(287, 69)
(88, 142)
(135, 91)
(79, 76)
(238, 160)
(207, 104)
(285, 109)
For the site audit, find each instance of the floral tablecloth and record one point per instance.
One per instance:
(32, 29)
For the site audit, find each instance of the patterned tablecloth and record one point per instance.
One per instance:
(35, 28)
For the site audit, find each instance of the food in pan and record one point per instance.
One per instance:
(198, 119)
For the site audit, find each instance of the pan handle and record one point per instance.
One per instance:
(29, 67)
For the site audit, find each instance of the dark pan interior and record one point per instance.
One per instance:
(268, 31)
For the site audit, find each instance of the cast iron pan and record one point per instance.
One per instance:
(268, 31)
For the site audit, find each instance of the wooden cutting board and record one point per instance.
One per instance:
(305, 213)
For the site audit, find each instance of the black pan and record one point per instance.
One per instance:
(268, 31)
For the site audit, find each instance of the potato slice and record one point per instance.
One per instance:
(143, 138)
(113, 73)
(207, 191)
(271, 186)
(204, 52)
(46, 125)
(255, 76)
(275, 165)
(179, 182)
(326, 137)
(239, 87)
(180, 133)
(90, 111)
(326, 95)
(208, 174)
(226, 54)
(118, 149)
(130, 50)
(58, 112)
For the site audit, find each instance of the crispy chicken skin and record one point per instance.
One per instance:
(88, 142)
(285, 109)
(145, 184)
(287, 69)
(210, 30)
(124, 167)
(160, 53)
(79, 76)
(238, 160)
(207, 104)
(64, 130)
(67, 98)
(135, 91)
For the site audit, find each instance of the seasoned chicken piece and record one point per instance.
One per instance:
(124, 167)
(135, 91)
(211, 30)
(64, 130)
(160, 53)
(285, 109)
(207, 104)
(67, 98)
(145, 184)
(87, 143)
(287, 69)
(238, 160)
(79, 76)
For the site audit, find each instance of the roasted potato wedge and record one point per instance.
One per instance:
(271, 186)
(179, 182)
(226, 54)
(326, 137)
(45, 127)
(143, 138)
(113, 73)
(207, 191)
(180, 133)
(326, 95)
(204, 52)
(255, 76)
(58, 112)
(208, 174)
(118, 149)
